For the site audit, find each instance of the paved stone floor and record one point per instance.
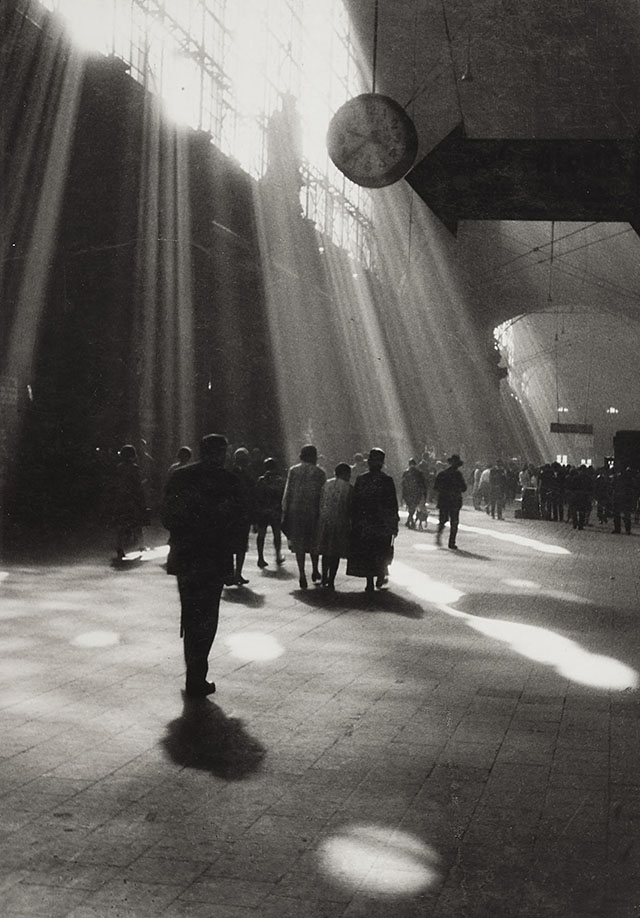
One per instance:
(465, 743)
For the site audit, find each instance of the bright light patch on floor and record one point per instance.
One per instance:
(254, 645)
(422, 586)
(522, 584)
(369, 858)
(536, 545)
(567, 657)
(96, 639)
(425, 546)
(4, 575)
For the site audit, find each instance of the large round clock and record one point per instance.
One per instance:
(372, 140)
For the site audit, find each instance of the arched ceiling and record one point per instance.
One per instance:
(545, 70)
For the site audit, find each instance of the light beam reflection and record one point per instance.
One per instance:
(96, 639)
(535, 544)
(370, 858)
(542, 645)
(253, 646)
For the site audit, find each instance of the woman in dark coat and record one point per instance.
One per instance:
(374, 515)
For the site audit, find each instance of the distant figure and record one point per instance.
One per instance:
(128, 504)
(582, 497)
(201, 508)
(450, 486)
(557, 495)
(474, 481)
(484, 489)
(183, 456)
(268, 508)
(300, 511)
(359, 466)
(374, 523)
(622, 500)
(497, 489)
(602, 494)
(427, 467)
(246, 485)
(414, 491)
(335, 523)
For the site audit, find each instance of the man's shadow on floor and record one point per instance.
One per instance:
(379, 601)
(203, 737)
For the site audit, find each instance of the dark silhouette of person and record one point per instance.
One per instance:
(300, 511)
(241, 462)
(450, 485)
(268, 509)
(497, 489)
(374, 523)
(623, 500)
(581, 488)
(414, 491)
(128, 504)
(201, 509)
(602, 494)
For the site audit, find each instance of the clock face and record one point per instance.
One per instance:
(372, 140)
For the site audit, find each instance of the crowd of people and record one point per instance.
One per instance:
(209, 510)
(211, 505)
(563, 492)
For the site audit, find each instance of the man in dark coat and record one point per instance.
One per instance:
(201, 509)
(450, 486)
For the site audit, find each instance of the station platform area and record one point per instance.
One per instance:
(464, 743)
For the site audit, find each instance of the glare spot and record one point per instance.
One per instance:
(4, 575)
(377, 861)
(522, 584)
(254, 645)
(422, 586)
(425, 546)
(567, 657)
(536, 545)
(542, 645)
(160, 552)
(96, 639)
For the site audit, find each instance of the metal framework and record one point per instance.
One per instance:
(223, 66)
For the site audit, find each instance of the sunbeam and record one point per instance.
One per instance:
(544, 646)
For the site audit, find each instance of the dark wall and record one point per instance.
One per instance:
(84, 378)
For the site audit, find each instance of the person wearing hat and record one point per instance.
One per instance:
(374, 523)
(450, 485)
(201, 508)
